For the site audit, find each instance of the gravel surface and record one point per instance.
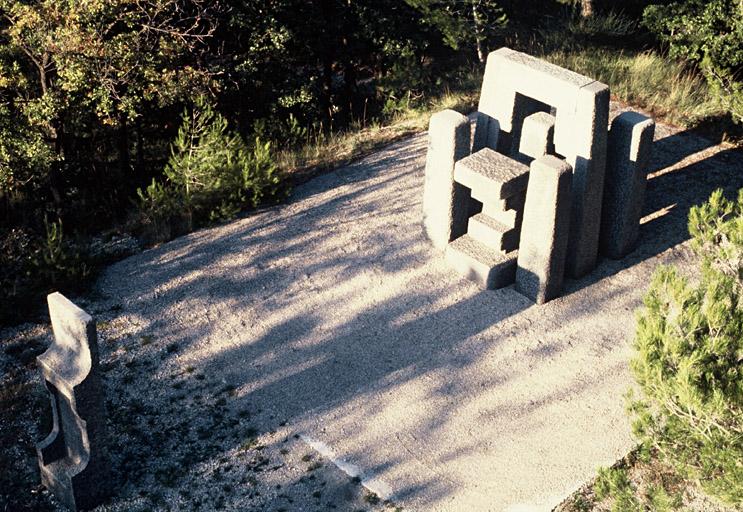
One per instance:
(262, 364)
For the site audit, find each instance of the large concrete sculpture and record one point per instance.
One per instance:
(72, 457)
(533, 113)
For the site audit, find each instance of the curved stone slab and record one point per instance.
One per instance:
(72, 457)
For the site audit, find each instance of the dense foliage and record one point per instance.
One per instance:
(689, 361)
(710, 34)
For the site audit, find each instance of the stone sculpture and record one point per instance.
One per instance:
(474, 198)
(72, 457)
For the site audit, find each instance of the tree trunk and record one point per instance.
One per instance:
(123, 149)
(586, 8)
(479, 32)
(328, 59)
(139, 163)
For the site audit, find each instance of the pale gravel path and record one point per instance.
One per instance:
(332, 313)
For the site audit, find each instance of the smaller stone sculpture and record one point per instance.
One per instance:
(72, 457)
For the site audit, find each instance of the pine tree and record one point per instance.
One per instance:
(689, 361)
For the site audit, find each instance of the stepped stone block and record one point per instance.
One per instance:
(516, 86)
(543, 245)
(537, 137)
(72, 457)
(489, 268)
(492, 233)
(629, 151)
(511, 217)
(446, 204)
(491, 176)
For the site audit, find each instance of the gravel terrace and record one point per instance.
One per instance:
(242, 361)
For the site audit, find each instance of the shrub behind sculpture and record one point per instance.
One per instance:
(690, 356)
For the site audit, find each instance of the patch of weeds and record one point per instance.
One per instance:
(371, 498)
(315, 465)
(190, 369)
(103, 325)
(306, 457)
(249, 443)
(146, 339)
(660, 501)
(614, 483)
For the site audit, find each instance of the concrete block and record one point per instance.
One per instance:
(445, 203)
(489, 268)
(492, 233)
(588, 160)
(487, 130)
(491, 176)
(543, 245)
(629, 151)
(537, 137)
(72, 458)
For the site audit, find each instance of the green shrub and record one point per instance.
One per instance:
(614, 484)
(708, 33)
(33, 264)
(689, 361)
(211, 175)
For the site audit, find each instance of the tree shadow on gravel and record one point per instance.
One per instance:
(334, 306)
(673, 188)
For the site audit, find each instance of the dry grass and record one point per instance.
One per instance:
(656, 84)
(325, 150)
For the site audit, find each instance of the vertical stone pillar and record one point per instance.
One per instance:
(537, 137)
(487, 131)
(72, 457)
(630, 145)
(544, 233)
(588, 160)
(445, 202)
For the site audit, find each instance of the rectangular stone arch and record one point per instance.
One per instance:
(517, 85)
